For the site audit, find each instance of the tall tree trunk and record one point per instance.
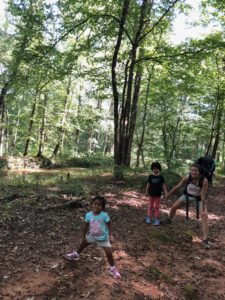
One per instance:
(61, 129)
(2, 117)
(144, 119)
(218, 125)
(117, 154)
(2, 135)
(31, 125)
(16, 131)
(42, 128)
(125, 121)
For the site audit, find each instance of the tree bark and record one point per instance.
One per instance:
(144, 119)
(61, 129)
(117, 154)
(31, 125)
(42, 128)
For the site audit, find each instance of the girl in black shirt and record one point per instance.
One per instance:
(155, 185)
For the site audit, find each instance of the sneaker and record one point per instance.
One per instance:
(156, 223)
(206, 244)
(148, 220)
(72, 256)
(114, 272)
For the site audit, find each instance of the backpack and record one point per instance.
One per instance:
(207, 164)
(198, 198)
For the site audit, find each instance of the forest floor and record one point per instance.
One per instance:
(164, 262)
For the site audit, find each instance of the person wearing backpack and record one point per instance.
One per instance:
(208, 165)
(196, 186)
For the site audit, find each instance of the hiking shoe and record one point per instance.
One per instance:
(72, 256)
(156, 223)
(206, 244)
(148, 220)
(114, 272)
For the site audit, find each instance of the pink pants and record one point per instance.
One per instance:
(154, 202)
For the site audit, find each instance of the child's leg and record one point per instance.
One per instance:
(156, 206)
(108, 252)
(84, 243)
(75, 255)
(113, 270)
(150, 206)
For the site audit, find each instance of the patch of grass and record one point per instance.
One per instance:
(88, 162)
(156, 274)
(188, 234)
(6, 213)
(190, 292)
(161, 236)
(74, 187)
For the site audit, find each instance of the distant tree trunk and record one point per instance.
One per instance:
(106, 146)
(144, 119)
(16, 131)
(77, 131)
(171, 135)
(218, 125)
(31, 124)
(6, 143)
(2, 118)
(61, 129)
(42, 128)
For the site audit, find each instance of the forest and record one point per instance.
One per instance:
(91, 93)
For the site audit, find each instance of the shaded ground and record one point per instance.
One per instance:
(165, 262)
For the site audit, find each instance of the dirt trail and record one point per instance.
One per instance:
(165, 262)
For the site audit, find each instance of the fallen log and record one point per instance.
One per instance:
(69, 204)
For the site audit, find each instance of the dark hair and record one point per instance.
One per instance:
(156, 165)
(99, 198)
(198, 167)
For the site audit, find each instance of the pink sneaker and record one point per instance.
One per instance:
(114, 272)
(72, 256)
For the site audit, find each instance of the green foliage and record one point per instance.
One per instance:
(161, 236)
(6, 213)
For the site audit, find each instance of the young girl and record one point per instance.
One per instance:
(98, 223)
(155, 185)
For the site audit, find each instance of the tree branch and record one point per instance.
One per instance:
(159, 20)
(185, 53)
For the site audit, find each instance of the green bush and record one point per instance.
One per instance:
(87, 162)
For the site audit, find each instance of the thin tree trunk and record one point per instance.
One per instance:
(42, 128)
(144, 119)
(218, 126)
(16, 131)
(31, 125)
(61, 130)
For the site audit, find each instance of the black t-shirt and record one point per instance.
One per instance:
(156, 183)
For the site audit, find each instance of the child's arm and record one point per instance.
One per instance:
(147, 189)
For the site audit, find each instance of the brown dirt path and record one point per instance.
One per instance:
(165, 262)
